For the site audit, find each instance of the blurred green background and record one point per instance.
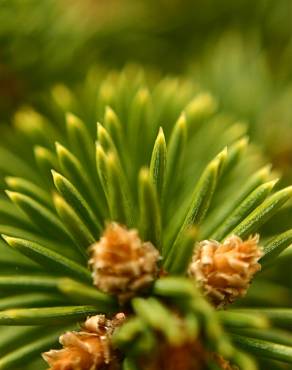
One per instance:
(240, 50)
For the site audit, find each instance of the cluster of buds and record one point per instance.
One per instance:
(121, 263)
(224, 270)
(89, 348)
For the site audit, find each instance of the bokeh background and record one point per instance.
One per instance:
(240, 50)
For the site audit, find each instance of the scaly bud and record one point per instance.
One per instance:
(87, 349)
(121, 263)
(224, 271)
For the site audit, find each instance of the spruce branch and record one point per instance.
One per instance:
(145, 212)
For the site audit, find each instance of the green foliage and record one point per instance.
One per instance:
(236, 69)
(161, 160)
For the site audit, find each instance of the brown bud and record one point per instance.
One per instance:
(121, 263)
(188, 356)
(224, 270)
(89, 349)
(191, 355)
